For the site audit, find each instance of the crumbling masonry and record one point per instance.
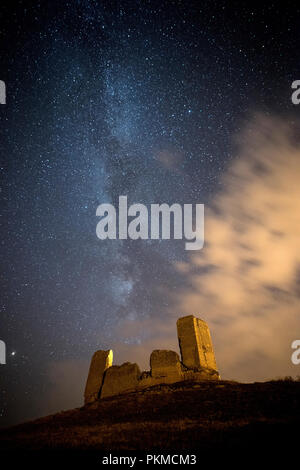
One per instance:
(197, 363)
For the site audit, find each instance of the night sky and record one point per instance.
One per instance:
(109, 98)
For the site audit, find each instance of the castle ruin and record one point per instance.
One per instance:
(197, 363)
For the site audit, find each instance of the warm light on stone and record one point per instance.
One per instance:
(195, 343)
(101, 361)
(165, 364)
(120, 379)
(197, 364)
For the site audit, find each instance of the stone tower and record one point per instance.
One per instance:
(101, 361)
(195, 343)
(197, 364)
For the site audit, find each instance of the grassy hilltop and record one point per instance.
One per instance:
(213, 419)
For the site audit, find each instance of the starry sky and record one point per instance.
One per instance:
(108, 98)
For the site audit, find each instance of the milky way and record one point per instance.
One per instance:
(105, 99)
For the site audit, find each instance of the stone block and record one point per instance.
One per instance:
(100, 362)
(165, 363)
(119, 379)
(206, 343)
(195, 343)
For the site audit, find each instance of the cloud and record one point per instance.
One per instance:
(245, 282)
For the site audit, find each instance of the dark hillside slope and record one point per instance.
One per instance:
(211, 419)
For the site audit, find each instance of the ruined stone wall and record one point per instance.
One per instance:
(101, 361)
(197, 363)
(195, 343)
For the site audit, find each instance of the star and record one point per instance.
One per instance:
(102, 102)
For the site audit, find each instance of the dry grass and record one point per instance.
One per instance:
(208, 417)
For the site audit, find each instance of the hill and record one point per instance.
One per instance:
(214, 420)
